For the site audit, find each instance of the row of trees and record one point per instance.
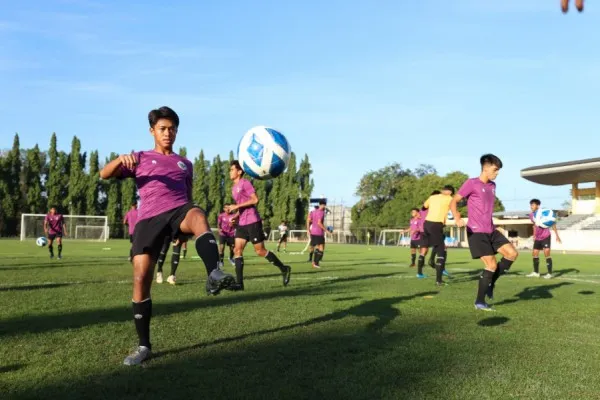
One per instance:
(388, 194)
(32, 180)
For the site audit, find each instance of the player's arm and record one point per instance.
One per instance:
(320, 223)
(113, 168)
(454, 209)
(64, 228)
(556, 233)
(253, 201)
(46, 226)
(125, 220)
(426, 204)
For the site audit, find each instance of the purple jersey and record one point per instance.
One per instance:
(317, 216)
(415, 228)
(163, 181)
(131, 219)
(539, 233)
(480, 204)
(225, 225)
(242, 191)
(55, 223)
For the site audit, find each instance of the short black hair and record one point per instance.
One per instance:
(163, 113)
(237, 166)
(535, 201)
(435, 192)
(226, 204)
(449, 188)
(133, 204)
(490, 159)
(322, 202)
(414, 209)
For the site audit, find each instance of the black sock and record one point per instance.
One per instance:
(222, 256)
(207, 249)
(439, 267)
(485, 280)
(536, 265)
(59, 249)
(496, 276)
(549, 264)
(131, 253)
(51, 250)
(421, 264)
(273, 259)
(504, 265)
(161, 260)
(231, 253)
(310, 256)
(184, 252)
(142, 312)
(318, 257)
(413, 257)
(175, 259)
(239, 269)
(432, 257)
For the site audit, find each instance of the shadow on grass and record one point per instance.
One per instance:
(586, 292)
(35, 287)
(493, 321)
(10, 368)
(561, 272)
(534, 293)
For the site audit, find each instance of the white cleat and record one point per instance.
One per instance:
(533, 275)
(220, 265)
(232, 262)
(171, 279)
(141, 354)
(159, 277)
(548, 276)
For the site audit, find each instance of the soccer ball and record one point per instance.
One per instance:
(264, 153)
(41, 241)
(544, 218)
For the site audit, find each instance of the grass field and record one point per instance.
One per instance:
(362, 327)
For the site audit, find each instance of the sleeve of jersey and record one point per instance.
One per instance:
(249, 188)
(466, 189)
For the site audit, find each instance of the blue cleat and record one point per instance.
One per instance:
(483, 307)
(421, 276)
(445, 273)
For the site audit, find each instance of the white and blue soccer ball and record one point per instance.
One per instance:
(41, 241)
(544, 218)
(264, 153)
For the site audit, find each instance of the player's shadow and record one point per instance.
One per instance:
(493, 321)
(466, 276)
(561, 272)
(10, 368)
(356, 278)
(382, 310)
(535, 293)
(586, 292)
(34, 287)
(294, 273)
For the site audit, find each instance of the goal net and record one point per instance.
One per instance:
(84, 227)
(394, 237)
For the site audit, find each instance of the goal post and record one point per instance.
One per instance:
(393, 237)
(82, 227)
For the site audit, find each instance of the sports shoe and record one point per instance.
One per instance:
(533, 275)
(236, 287)
(220, 265)
(441, 284)
(217, 281)
(232, 262)
(287, 273)
(159, 277)
(421, 276)
(141, 354)
(412, 265)
(483, 307)
(51, 256)
(172, 279)
(548, 276)
(59, 257)
(316, 266)
(445, 273)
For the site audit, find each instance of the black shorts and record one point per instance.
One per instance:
(542, 244)
(434, 234)
(226, 240)
(151, 234)
(283, 238)
(251, 233)
(485, 244)
(52, 236)
(131, 238)
(415, 244)
(317, 240)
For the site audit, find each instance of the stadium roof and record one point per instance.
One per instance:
(565, 173)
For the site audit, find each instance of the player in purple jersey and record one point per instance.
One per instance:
(542, 240)
(225, 223)
(130, 220)
(55, 228)
(311, 248)
(317, 232)
(178, 243)
(249, 226)
(415, 230)
(484, 240)
(164, 183)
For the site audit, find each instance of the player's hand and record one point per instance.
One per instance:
(558, 240)
(459, 222)
(128, 160)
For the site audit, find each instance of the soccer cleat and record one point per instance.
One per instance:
(548, 276)
(236, 287)
(220, 265)
(172, 279)
(533, 275)
(441, 284)
(159, 277)
(287, 274)
(59, 257)
(232, 262)
(445, 273)
(316, 266)
(421, 276)
(483, 307)
(217, 281)
(141, 354)
(412, 265)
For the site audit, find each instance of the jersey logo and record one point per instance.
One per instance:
(154, 162)
(182, 165)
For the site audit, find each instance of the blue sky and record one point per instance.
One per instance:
(354, 84)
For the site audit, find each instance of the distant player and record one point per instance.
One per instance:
(55, 228)
(437, 206)
(225, 223)
(317, 232)
(416, 232)
(175, 256)
(542, 241)
(564, 5)
(283, 236)
(484, 240)
(249, 227)
(164, 182)
(311, 248)
(130, 220)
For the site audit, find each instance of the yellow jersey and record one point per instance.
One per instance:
(438, 206)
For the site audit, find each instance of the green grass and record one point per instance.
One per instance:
(363, 327)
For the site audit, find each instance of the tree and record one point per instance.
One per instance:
(381, 185)
(53, 189)
(228, 182)
(215, 190)
(113, 204)
(200, 183)
(92, 205)
(77, 183)
(10, 190)
(31, 180)
(264, 208)
(183, 152)
(292, 190)
(305, 185)
(425, 169)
